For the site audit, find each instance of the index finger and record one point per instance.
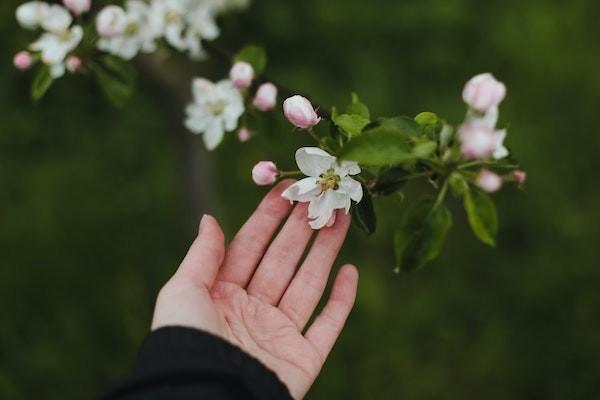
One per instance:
(250, 243)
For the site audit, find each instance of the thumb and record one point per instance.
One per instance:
(205, 256)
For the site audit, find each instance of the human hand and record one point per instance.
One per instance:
(252, 295)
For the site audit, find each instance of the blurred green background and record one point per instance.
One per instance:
(98, 206)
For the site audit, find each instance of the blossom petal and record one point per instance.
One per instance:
(57, 70)
(352, 188)
(304, 190)
(56, 19)
(500, 151)
(346, 167)
(313, 161)
(214, 134)
(322, 207)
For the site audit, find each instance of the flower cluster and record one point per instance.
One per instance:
(356, 158)
(217, 108)
(59, 37)
(478, 134)
(121, 31)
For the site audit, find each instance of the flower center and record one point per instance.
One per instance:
(172, 17)
(64, 36)
(329, 180)
(216, 107)
(131, 28)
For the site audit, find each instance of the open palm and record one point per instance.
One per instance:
(253, 294)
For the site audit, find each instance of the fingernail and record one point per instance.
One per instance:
(202, 222)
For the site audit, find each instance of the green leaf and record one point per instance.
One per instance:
(481, 213)
(363, 214)
(458, 184)
(358, 108)
(41, 83)
(352, 124)
(391, 180)
(430, 123)
(424, 148)
(402, 126)
(116, 90)
(122, 69)
(253, 55)
(385, 142)
(421, 236)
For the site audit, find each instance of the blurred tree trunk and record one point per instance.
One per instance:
(172, 86)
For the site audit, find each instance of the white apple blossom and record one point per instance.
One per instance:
(216, 109)
(328, 186)
(138, 34)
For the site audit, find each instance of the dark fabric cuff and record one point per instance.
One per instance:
(185, 355)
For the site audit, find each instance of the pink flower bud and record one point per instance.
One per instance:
(73, 64)
(264, 173)
(483, 92)
(78, 7)
(241, 74)
(477, 141)
(266, 97)
(300, 112)
(488, 181)
(111, 21)
(23, 60)
(519, 176)
(244, 134)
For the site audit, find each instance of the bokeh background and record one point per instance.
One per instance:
(98, 205)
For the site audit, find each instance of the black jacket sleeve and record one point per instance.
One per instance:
(182, 363)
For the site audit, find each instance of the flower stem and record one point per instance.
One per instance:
(285, 174)
(314, 135)
(441, 195)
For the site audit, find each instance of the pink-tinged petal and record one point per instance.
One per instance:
(488, 181)
(265, 173)
(300, 112)
(484, 92)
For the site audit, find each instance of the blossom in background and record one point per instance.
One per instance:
(59, 38)
(23, 60)
(73, 64)
(241, 74)
(78, 7)
(126, 37)
(216, 109)
(483, 92)
(300, 112)
(478, 135)
(328, 185)
(488, 181)
(266, 97)
(111, 21)
(519, 176)
(478, 141)
(185, 23)
(244, 134)
(265, 173)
